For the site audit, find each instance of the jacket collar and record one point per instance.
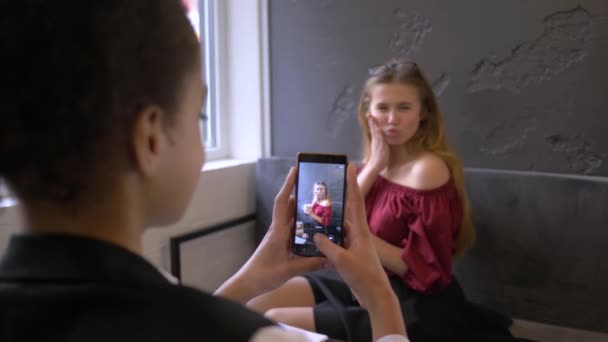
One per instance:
(60, 258)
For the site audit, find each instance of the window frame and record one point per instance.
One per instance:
(234, 35)
(212, 34)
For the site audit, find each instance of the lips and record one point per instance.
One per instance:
(392, 132)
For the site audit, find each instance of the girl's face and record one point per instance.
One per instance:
(319, 191)
(397, 110)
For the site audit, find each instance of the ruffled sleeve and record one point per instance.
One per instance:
(326, 215)
(323, 212)
(430, 240)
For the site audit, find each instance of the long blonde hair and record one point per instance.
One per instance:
(430, 135)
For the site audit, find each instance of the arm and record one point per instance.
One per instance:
(366, 178)
(429, 245)
(390, 256)
(271, 264)
(315, 217)
(325, 216)
(385, 315)
(236, 289)
(359, 266)
(378, 158)
(429, 173)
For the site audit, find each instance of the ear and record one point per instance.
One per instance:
(147, 139)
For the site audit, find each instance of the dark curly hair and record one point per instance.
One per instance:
(75, 74)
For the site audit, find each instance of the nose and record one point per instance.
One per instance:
(393, 117)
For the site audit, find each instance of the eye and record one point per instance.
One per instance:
(404, 107)
(382, 107)
(203, 117)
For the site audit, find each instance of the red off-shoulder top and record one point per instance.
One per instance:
(323, 212)
(425, 223)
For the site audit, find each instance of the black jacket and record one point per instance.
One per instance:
(68, 288)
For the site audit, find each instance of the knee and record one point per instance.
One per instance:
(276, 315)
(295, 316)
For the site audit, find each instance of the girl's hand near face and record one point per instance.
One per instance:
(379, 148)
(378, 159)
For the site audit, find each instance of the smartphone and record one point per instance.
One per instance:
(320, 193)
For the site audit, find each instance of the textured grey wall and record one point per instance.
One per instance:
(522, 84)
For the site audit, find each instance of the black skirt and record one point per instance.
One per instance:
(441, 316)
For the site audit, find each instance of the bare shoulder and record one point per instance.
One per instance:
(428, 171)
(325, 203)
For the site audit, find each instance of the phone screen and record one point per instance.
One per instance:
(320, 191)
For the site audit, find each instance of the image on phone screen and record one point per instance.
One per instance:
(319, 208)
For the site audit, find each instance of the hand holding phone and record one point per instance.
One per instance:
(320, 191)
(272, 263)
(359, 266)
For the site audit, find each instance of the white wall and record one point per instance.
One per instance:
(208, 261)
(9, 222)
(222, 195)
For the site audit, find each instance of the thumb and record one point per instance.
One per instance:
(327, 247)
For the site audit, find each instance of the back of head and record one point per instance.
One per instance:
(76, 73)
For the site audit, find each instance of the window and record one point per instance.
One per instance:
(233, 36)
(202, 15)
